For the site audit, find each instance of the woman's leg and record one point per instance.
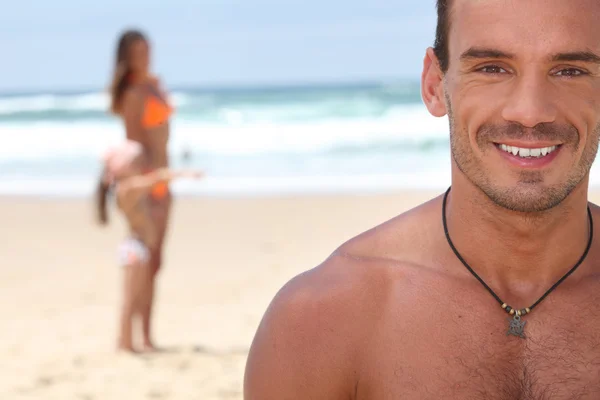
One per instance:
(135, 273)
(160, 213)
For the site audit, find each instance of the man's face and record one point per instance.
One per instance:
(522, 94)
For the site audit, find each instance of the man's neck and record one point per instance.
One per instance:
(518, 254)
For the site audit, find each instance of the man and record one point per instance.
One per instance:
(394, 313)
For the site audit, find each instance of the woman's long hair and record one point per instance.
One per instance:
(122, 70)
(102, 192)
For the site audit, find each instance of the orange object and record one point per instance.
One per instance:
(160, 190)
(156, 112)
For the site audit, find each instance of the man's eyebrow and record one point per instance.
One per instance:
(583, 56)
(474, 53)
(479, 53)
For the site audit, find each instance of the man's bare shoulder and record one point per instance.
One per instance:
(311, 333)
(356, 273)
(360, 268)
(322, 319)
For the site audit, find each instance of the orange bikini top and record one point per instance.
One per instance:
(156, 110)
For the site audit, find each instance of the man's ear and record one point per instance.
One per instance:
(432, 85)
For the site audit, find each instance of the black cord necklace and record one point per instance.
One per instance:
(516, 326)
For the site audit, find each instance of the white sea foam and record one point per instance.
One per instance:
(269, 142)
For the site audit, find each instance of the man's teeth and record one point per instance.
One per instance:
(522, 152)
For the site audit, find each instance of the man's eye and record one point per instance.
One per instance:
(570, 72)
(492, 69)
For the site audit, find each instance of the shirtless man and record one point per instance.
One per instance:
(394, 313)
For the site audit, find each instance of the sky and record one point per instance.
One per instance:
(69, 44)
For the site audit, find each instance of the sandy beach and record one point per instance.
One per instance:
(226, 258)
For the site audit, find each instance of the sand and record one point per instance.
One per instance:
(226, 258)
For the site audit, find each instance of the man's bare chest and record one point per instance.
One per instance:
(473, 359)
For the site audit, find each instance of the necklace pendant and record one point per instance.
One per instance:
(516, 327)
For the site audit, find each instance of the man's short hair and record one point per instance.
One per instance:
(440, 46)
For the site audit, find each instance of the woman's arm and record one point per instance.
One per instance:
(133, 106)
(141, 184)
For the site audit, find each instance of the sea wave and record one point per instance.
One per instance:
(262, 140)
(221, 105)
(402, 128)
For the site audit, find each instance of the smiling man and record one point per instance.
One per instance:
(491, 290)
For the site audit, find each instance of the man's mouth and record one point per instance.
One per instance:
(525, 152)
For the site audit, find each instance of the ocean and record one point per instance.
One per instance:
(359, 138)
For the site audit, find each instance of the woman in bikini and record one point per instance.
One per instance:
(138, 99)
(124, 172)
